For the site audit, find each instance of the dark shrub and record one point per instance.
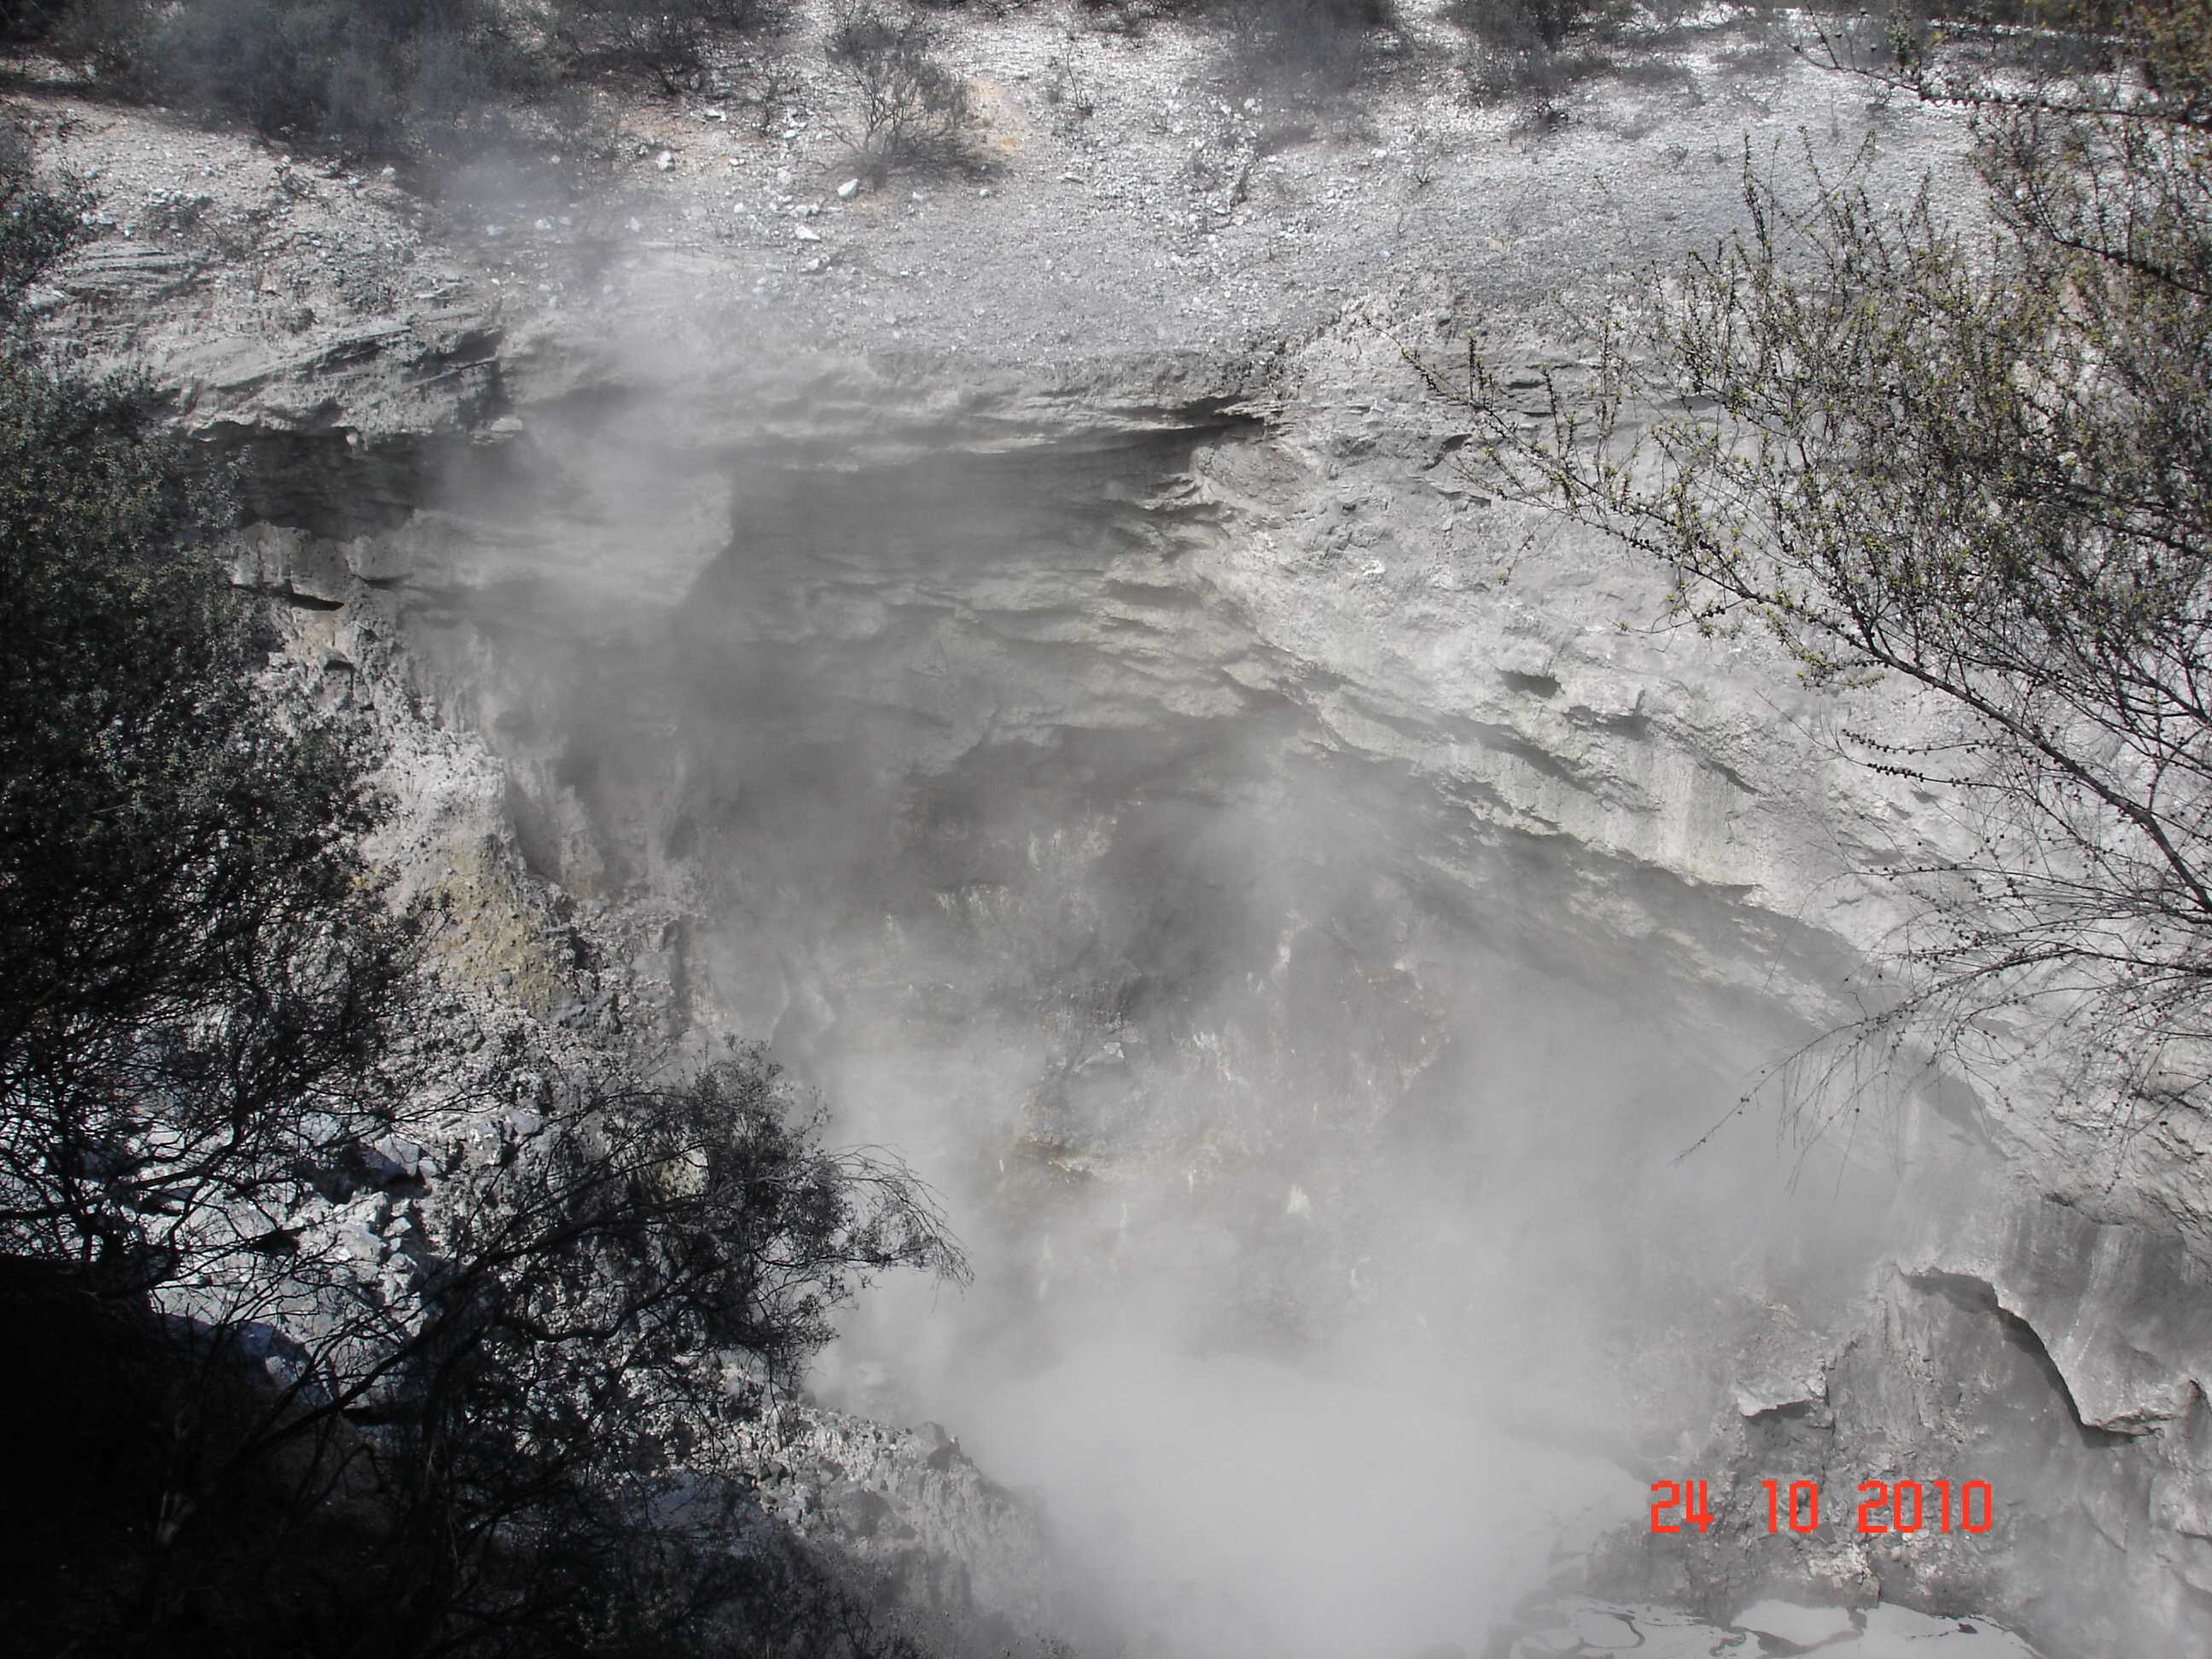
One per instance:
(361, 74)
(1317, 45)
(109, 36)
(668, 37)
(911, 109)
(28, 19)
(1124, 16)
(1530, 51)
(1533, 25)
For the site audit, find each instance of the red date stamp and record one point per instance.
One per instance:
(1885, 1506)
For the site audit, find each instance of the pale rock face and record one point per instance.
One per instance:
(923, 715)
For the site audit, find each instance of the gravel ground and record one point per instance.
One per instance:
(1182, 213)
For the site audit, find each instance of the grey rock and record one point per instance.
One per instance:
(398, 1158)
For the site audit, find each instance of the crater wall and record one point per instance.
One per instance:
(1265, 884)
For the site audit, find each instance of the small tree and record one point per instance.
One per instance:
(506, 1423)
(910, 108)
(546, 1420)
(1979, 462)
(524, 1426)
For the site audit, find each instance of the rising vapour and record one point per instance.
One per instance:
(1315, 1140)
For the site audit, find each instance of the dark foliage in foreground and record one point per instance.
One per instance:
(1535, 51)
(1520, 25)
(1282, 47)
(527, 1452)
(253, 1423)
(28, 19)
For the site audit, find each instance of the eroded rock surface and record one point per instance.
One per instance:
(1299, 879)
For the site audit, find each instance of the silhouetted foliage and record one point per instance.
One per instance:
(584, 1302)
(367, 74)
(188, 937)
(38, 226)
(1526, 24)
(28, 19)
(910, 108)
(525, 1452)
(1534, 50)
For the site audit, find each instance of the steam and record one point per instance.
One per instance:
(1234, 1505)
(1324, 1198)
(1316, 1143)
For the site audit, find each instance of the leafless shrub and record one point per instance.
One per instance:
(1311, 45)
(670, 38)
(910, 109)
(1068, 85)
